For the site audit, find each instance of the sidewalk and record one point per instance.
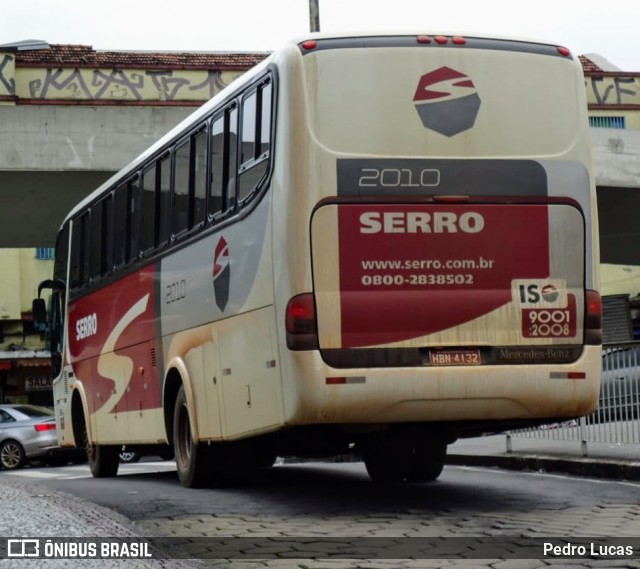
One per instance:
(604, 460)
(42, 515)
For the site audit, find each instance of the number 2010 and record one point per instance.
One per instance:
(399, 178)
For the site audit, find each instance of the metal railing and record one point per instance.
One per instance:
(617, 417)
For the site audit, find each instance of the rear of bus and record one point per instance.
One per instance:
(446, 274)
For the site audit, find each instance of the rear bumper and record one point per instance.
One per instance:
(438, 394)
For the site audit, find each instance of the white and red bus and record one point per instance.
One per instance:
(368, 244)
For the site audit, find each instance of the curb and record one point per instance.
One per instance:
(615, 470)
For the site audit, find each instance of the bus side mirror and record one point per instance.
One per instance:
(39, 311)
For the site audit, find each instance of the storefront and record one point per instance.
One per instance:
(25, 377)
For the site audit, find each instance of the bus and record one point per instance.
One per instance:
(370, 245)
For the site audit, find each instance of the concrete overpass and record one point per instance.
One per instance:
(54, 156)
(70, 117)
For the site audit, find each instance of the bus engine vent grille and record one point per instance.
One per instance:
(65, 382)
(154, 359)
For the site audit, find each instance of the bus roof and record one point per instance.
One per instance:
(419, 33)
(188, 122)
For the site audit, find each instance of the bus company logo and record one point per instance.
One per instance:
(549, 293)
(221, 274)
(446, 101)
(536, 292)
(87, 326)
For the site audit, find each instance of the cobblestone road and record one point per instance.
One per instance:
(500, 517)
(394, 516)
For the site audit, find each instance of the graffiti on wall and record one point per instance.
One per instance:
(126, 85)
(613, 90)
(184, 85)
(111, 84)
(7, 79)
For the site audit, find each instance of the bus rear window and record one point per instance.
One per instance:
(370, 105)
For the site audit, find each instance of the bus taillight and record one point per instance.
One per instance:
(593, 318)
(301, 324)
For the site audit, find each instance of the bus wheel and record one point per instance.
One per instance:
(266, 460)
(166, 454)
(388, 465)
(427, 463)
(103, 460)
(193, 461)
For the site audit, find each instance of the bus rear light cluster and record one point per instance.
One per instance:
(301, 324)
(442, 40)
(564, 51)
(593, 318)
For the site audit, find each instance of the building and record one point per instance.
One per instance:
(25, 370)
(613, 97)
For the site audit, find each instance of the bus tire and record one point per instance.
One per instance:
(193, 461)
(388, 465)
(103, 460)
(266, 460)
(427, 463)
(166, 454)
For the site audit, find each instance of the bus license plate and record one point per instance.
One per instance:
(454, 357)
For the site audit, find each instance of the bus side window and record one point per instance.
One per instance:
(60, 272)
(199, 207)
(247, 146)
(96, 240)
(180, 205)
(216, 193)
(133, 224)
(264, 140)
(75, 257)
(62, 254)
(148, 209)
(231, 157)
(248, 152)
(164, 201)
(120, 226)
(256, 138)
(85, 249)
(107, 230)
